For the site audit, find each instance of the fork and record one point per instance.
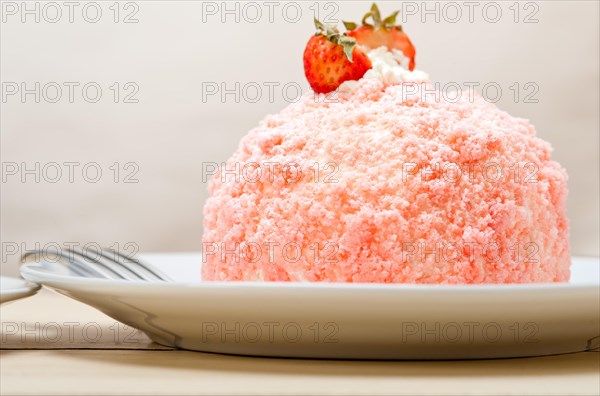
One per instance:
(106, 263)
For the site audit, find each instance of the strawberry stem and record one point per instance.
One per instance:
(388, 22)
(333, 34)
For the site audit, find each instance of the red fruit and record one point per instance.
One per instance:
(382, 33)
(330, 58)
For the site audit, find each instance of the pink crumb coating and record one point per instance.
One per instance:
(387, 203)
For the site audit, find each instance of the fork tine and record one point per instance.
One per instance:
(121, 266)
(91, 261)
(131, 266)
(104, 266)
(104, 253)
(126, 261)
(72, 263)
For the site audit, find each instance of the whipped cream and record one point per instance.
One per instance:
(390, 67)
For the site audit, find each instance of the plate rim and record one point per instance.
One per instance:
(30, 272)
(29, 288)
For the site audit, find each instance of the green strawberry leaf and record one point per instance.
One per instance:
(391, 20)
(348, 43)
(321, 28)
(387, 23)
(376, 15)
(350, 25)
(333, 34)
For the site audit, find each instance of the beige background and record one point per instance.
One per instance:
(171, 51)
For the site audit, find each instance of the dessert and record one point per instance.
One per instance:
(387, 182)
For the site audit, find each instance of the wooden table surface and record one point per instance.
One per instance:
(53, 345)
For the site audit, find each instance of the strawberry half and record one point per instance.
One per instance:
(330, 58)
(382, 33)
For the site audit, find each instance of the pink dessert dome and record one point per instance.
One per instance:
(383, 186)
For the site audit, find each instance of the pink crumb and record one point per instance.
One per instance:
(386, 202)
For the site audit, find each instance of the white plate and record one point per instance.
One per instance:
(14, 288)
(355, 321)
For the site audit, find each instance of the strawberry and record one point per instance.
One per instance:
(382, 33)
(330, 58)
